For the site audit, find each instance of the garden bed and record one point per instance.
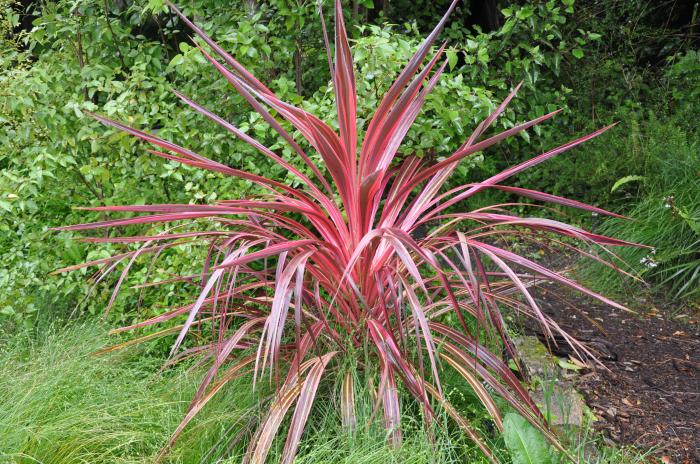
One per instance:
(648, 394)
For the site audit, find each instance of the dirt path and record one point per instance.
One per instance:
(650, 397)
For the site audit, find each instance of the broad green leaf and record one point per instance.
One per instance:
(451, 58)
(525, 443)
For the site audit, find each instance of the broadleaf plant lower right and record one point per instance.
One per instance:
(369, 264)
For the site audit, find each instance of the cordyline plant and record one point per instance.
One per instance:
(369, 255)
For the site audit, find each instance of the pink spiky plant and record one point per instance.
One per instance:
(298, 280)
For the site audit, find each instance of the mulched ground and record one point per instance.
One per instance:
(650, 394)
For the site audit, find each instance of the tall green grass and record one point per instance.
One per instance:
(664, 192)
(60, 404)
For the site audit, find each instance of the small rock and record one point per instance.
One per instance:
(555, 395)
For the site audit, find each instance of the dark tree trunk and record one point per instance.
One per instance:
(297, 69)
(486, 14)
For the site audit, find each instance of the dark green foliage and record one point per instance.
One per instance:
(640, 61)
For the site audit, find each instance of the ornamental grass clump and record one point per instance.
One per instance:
(370, 265)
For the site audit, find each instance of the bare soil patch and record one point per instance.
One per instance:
(649, 396)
